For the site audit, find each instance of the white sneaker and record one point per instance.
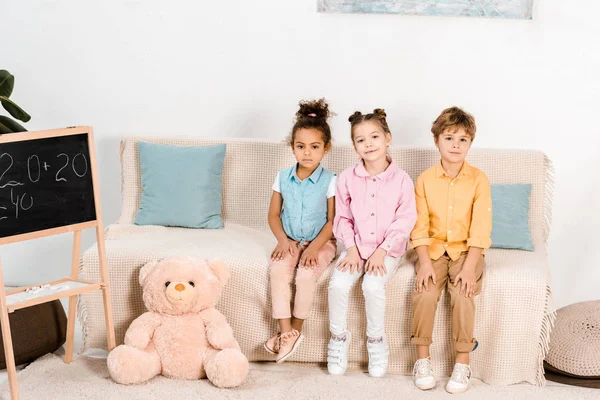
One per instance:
(423, 374)
(337, 355)
(459, 381)
(378, 358)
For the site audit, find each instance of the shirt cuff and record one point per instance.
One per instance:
(478, 241)
(414, 243)
(396, 246)
(349, 243)
(386, 245)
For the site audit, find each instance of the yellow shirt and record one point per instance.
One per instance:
(452, 214)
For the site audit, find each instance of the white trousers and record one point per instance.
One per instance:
(373, 288)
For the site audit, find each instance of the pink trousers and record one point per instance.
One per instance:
(281, 274)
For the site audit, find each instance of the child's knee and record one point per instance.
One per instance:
(373, 287)
(460, 302)
(280, 273)
(426, 298)
(305, 276)
(339, 286)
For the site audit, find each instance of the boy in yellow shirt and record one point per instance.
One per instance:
(454, 225)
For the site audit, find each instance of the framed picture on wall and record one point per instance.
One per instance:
(518, 9)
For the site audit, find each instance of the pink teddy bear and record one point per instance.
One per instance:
(183, 336)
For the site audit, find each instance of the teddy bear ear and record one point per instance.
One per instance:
(220, 269)
(146, 270)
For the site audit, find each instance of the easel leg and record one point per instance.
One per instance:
(73, 299)
(8, 346)
(110, 328)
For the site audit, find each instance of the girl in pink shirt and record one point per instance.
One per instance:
(375, 213)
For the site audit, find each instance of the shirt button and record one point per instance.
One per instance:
(450, 207)
(452, 184)
(446, 244)
(374, 180)
(449, 231)
(489, 209)
(372, 214)
(372, 233)
(372, 195)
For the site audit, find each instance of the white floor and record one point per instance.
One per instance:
(266, 366)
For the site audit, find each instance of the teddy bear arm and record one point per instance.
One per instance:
(218, 331)
(141, 330)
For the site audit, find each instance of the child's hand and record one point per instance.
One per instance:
(283, 248)
(425, 272)
(375, 264)
(309, 257)
(468, 283)
(352, 261)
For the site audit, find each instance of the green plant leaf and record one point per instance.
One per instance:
(7, 82)
(14, 109)
(7, 125)
(4, 129)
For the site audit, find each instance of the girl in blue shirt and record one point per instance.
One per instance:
(301, 218)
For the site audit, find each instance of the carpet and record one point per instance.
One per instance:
(88, 378)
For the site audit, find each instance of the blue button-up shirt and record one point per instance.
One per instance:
(304, 210)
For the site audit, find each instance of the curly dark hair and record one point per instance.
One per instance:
(378, 115)
(312, 114)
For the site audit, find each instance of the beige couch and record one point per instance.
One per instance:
(514, 315)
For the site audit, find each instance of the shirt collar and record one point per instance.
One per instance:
(361, 171)
(314, 177)
(466, 169)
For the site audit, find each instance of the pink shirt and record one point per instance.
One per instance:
(374, 211)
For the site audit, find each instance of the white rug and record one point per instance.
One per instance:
(88, 378)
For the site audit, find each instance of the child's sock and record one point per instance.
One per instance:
(375, 340)
(339, 338)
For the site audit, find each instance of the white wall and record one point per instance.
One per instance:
(238, 68)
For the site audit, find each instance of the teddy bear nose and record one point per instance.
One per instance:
(179, 287)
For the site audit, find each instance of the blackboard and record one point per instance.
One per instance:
(45, 183)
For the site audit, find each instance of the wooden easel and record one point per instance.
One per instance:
(72, 284)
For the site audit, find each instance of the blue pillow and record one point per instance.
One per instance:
(510, 217)
(181, 186)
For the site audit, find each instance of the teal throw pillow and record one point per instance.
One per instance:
(510, 217)
(181, 186)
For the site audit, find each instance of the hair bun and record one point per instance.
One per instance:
(353, 117)
(313, 109)
(380, 112)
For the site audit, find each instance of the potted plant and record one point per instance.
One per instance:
(8, 125)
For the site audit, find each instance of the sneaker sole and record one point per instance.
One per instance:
(298, 341)
(377, 375)
(426, 387)
(336, 373)
(456, 391)
(268, 349)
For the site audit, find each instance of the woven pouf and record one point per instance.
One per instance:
(575, 342)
